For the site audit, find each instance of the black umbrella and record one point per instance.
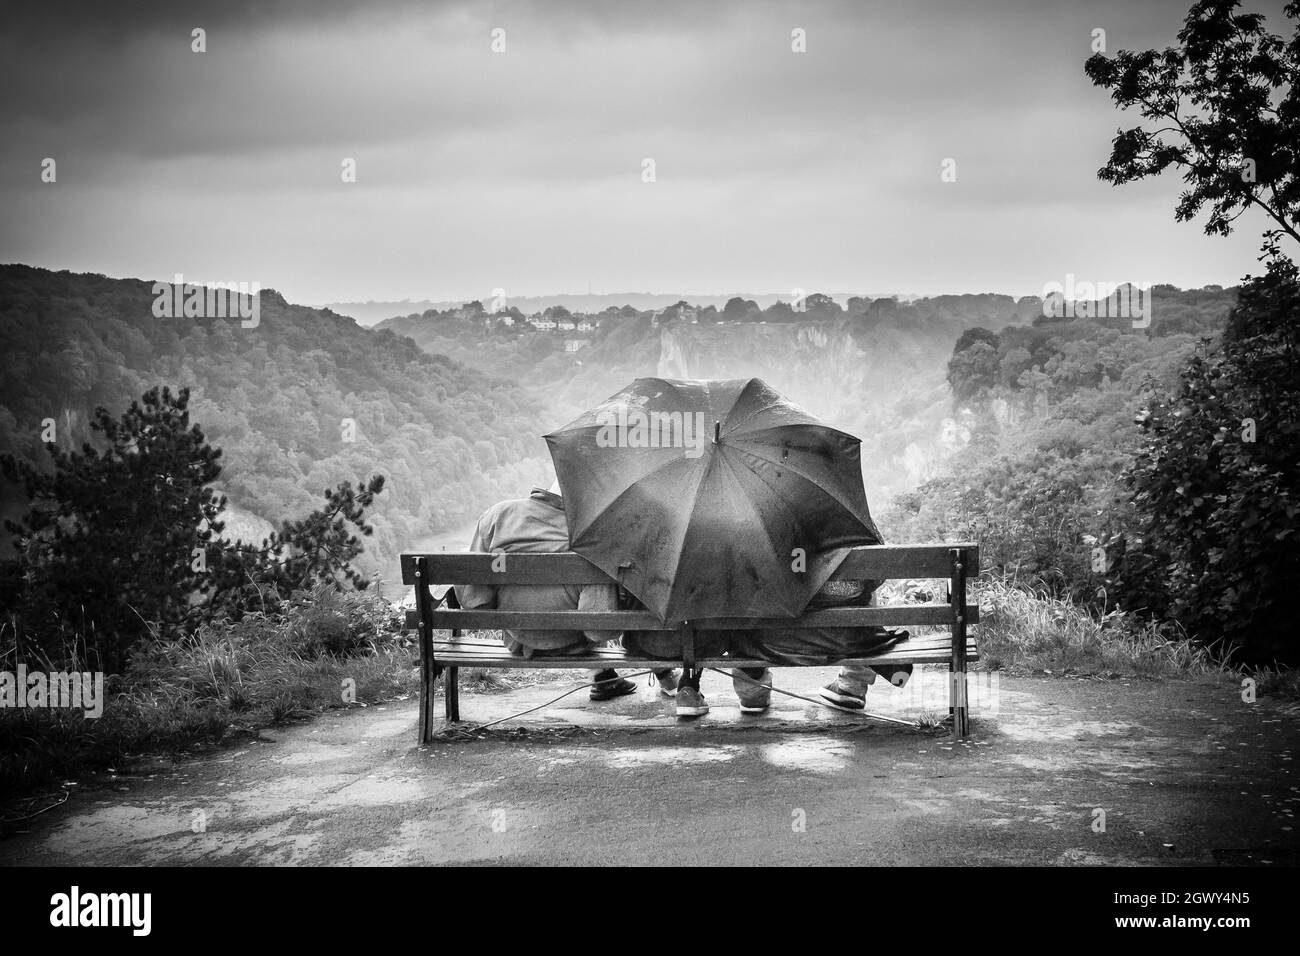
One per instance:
(711, 498)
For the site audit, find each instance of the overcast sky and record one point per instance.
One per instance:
(523, 169)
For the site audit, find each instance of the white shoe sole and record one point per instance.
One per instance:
(754, 708)
(843, 700)
(692, 711)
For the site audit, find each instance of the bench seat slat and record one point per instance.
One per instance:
(931, 648)
(890, 616)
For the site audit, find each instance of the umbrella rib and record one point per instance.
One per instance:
(793, 512)
(778, 401)
(715, 414)
(808, 478)
(758, 517)
(812, 423)
(733, 427)
(573, 536)
(686, 525)
(628, 487)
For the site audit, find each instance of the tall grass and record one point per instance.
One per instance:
(1025, 631)
(224, 681)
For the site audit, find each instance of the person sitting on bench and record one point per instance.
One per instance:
(793, 646)
(537, 524)
(753, 685)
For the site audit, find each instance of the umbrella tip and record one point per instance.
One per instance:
(717, 432)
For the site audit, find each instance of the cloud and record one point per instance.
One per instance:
(472, 164)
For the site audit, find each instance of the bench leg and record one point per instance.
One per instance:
(451, 694)
(423, 732)
(451, 689)
(429, 669)
(690, 673)
(958, 705)
(957, 698)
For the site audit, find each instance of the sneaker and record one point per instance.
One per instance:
(667, 681)
(837, 692)
(607, 685)
(896, 674)
(690, 702)
(754, 697)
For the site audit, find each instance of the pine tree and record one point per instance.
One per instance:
(113, 546)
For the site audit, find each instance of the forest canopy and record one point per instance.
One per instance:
(302, 402)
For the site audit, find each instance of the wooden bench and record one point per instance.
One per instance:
(444, 657)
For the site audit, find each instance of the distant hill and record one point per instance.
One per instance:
(275, 398)
(878, 368)
(450, 404)
(1044, 430)
(372, 313)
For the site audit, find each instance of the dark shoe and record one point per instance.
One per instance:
(896, 674)
(690, 702)
(837, 692)
(607, 685)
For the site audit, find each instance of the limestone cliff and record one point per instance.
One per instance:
(888, 388)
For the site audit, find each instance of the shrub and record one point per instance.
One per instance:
(123, 544)
(1217, 484)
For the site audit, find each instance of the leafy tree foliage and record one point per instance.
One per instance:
(1046, 432)
(302, 555)
(1217, 483)
(973, 368)
(1222, 107)
(1214, 498)
(304, 401)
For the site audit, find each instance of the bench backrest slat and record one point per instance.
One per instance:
(876, 563)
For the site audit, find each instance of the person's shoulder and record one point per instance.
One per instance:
(502, 507)
(491, 521)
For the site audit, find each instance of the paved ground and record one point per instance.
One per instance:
(1184, 772)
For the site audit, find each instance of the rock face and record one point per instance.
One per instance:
(888, 388)
(819, 366)
(880, 374)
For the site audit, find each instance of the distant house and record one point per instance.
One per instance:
(586, 325)
(566, 325)
(572, 345)
(544, 323)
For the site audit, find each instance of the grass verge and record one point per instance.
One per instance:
(329, 650)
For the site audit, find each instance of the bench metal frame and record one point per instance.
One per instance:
(954, 562)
